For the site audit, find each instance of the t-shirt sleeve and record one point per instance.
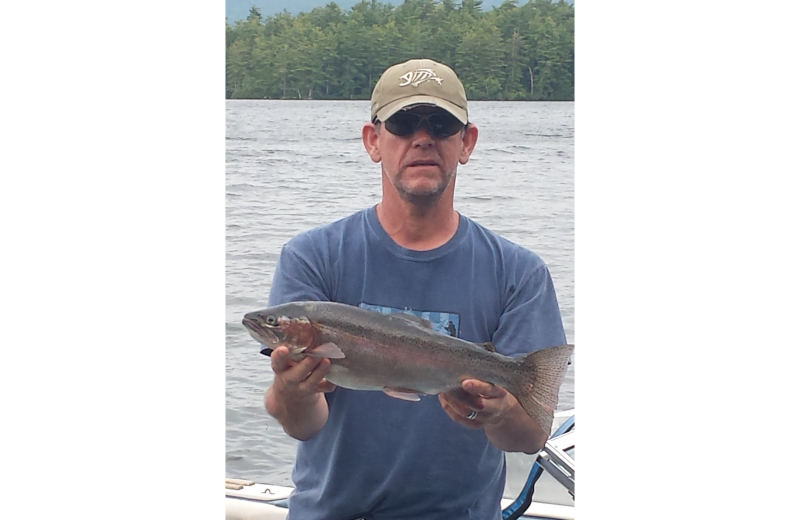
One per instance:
(531, 319)
(298, 277)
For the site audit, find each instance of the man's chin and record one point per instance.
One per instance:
(422, 198)
(422, 191)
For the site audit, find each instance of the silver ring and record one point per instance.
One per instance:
(473, 414)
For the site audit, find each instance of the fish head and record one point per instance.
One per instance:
(278, 326)
(265, 327)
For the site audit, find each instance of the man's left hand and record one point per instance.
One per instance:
(490, 403)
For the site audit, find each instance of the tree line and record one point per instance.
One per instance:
(510, 53)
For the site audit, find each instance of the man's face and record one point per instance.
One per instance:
(419, 166)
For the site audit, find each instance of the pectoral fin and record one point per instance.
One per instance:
(326, 350)
(402, 393)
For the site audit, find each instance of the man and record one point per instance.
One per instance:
(364, 454)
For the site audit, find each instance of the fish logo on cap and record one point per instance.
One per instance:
(420, 76)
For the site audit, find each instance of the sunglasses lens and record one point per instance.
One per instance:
(402, 124)
(440, 124)
(444, 124)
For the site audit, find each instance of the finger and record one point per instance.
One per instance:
(317, 374)
(457, 406)
(281, 359)
(303, 370)
(472, 401)
(459, 415)
(480, 388)
(325, 386)
(293, 374)
(495, 401)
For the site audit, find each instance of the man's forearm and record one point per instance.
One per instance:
(301, 419)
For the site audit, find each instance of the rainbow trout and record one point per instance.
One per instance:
(401, 354)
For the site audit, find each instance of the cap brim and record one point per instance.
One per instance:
(389, 110)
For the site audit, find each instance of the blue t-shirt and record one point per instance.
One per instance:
(384, 458)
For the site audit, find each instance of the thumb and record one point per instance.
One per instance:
(280, 359)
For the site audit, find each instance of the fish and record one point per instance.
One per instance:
(403, 356)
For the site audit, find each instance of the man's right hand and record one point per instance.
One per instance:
(301, 379)
(295, 398)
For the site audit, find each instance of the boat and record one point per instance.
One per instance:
(548, 494)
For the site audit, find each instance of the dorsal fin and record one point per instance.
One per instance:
(488, 346)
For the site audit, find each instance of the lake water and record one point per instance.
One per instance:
(293, 165)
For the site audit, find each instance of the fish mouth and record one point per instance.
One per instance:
(259, 330)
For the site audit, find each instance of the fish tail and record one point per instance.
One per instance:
(537, 391)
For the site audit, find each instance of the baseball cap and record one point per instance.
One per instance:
(418, 82)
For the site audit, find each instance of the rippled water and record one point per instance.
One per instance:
(293, 165)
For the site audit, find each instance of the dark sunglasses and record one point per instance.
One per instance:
(439, 124)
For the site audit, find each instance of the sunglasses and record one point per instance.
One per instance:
(439, 124)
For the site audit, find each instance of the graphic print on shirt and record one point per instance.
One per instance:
(444, 322)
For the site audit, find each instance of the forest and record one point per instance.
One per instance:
(513, 52)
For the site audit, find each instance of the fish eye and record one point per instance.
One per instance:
(272, 320)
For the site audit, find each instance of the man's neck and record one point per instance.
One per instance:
(418, 228)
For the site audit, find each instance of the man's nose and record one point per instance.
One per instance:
(422, 136)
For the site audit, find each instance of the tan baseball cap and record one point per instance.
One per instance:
(419, 82)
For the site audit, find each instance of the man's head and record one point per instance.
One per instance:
(422, 107)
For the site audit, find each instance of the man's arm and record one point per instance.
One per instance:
(296, 397)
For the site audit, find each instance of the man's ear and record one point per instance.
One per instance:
(468, 143)
(369, 136)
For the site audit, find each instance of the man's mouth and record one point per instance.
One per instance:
(423, 163)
